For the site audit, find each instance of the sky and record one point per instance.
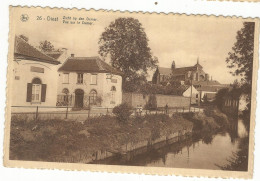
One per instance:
(181, 38)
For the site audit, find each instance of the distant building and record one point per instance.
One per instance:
(208, 89)
(192, 92)
(32, 72)
(89, 81)
(184, 74)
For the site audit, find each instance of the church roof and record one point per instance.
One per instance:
(176, 71)
(164, 70)
(183, 70)
(88, 64)
(23, 50)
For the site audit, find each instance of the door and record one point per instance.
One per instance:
(79, 96)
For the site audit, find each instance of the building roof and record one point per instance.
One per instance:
(207, 83)
(54, 54)
(23, 50)
(88, 64)
(183, 70)
(164, 70)
(177, 71)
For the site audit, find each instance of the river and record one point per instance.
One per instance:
(207, 153)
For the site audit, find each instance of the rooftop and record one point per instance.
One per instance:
(177, 71)
(88, 64)
(23, 50)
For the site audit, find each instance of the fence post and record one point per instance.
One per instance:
(36, 115)
(107, 110)
(88, 112)
(67, 112)
(183, 109)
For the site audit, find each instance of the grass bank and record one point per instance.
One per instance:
(71, 141)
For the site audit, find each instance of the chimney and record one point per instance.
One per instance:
(72, 55)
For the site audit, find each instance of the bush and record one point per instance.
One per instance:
(152, 103)
(123, 112)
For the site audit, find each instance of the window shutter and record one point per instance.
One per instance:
(43, 93)
(29, 92)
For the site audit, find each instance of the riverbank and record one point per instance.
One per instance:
(103, 137)
(71, 141)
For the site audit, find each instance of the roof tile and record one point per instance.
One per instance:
(88, 64)
(23, 50)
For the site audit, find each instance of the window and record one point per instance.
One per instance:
(36, 91)
(92, 97)
(113, 92)
(80, 78)
(65, 78)
(65, 97)
(93, 79)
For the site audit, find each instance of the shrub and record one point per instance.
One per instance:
(123, 112)
(152, 103)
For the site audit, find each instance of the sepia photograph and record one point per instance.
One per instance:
(131, 90)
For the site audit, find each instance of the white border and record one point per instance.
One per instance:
(189, 7)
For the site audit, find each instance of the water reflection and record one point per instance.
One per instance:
(208, 152)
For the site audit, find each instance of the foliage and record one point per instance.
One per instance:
(46, 46)
(123, 112)
(152, 103)
(126, 43)
(220, 97)
(239, 160)
(99, 100)
(240, 59)
(25, 38)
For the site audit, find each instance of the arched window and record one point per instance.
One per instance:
(92, 97)
(65, 98)
(113, 93)
(36, 91)
(65, 91)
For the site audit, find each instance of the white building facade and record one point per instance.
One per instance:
(31, 83)
(85, 82)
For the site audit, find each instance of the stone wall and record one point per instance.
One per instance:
(136, 99)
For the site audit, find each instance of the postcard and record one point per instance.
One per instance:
(131, 92)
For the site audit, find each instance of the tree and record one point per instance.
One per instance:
(46, 46)
(25, 38)
(240, 59)
(126, 43)
(123, 112)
